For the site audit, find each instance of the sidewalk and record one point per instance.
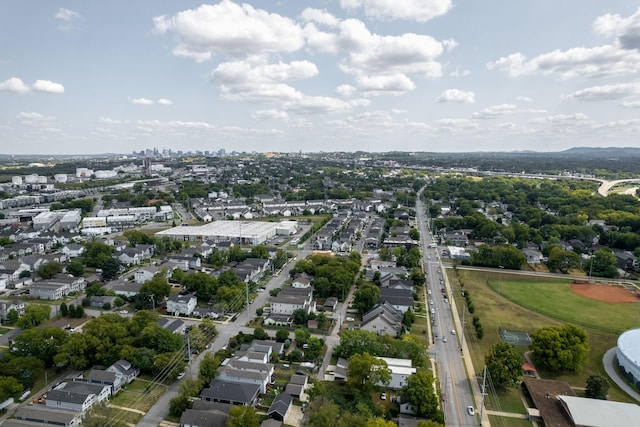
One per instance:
(610, 368)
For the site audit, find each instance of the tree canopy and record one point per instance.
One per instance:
(560, 348)
(504, 364)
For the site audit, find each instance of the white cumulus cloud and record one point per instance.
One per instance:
(47, 86)
(457, 95)
(140, 101)
(620, 58)
(495, 111)
(229, 28)
(258, 80)
(269, 114)
(16, 85)
(415, 10)
(66, 15)
(164, 101)
(606, 92)
(318, 16)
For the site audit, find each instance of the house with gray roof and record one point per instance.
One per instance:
(383, 319)
(43, 415)
(182, 304)
(280, 406)
(124, 368)
(231, 392)
(400, 299)
(196, 418)
(75, 398)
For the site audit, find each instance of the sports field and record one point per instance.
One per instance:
(515, 304)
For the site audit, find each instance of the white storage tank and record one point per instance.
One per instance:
(16, 180)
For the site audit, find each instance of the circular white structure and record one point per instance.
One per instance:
(628, 354)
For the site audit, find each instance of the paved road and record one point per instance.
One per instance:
(451, 356)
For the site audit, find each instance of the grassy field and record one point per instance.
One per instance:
(557, 300)
(524, 305)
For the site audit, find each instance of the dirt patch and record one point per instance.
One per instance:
(604, 293)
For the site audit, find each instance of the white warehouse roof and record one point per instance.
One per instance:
(254, 232)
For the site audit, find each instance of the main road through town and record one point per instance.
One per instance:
(454, 368)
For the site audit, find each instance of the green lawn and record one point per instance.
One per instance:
(508, 422)
(557, 300)
(528, 306)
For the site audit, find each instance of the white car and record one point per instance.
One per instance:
(124, 312)
(453, 332)
(470, 410)
(383, 396)
(181, 375)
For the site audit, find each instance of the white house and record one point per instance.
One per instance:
(291, 299)
(182, 304)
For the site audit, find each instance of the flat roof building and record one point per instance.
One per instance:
(243, 232)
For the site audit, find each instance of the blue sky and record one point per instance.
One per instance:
(326, 75)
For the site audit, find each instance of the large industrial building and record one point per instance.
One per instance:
(243, 232)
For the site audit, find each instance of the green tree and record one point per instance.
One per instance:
(208, 368)
(504, 364)
(64, 310)
(366, 297)
(242, 416)
(201, 283)
(260, 334)
(12, 316)
(156, 286)
(110, 268)
(602, 263)
(282, 335)
(302, 337)
(420, 393)
(34, 315)
(9, 387)
(323, 413)
(49, 269)
(366, 372)
(26, 369)
(178, 405)
(97, 253)
(75, 267)
(77, 352)
(380, 422)
(42, 343)
(597, 387)
(560, 348)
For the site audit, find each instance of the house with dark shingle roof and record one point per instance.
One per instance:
(43, 415)
(231, 392)
(280, 406)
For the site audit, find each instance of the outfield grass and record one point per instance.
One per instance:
(549, 305)
(558, 301)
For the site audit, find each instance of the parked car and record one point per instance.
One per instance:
(383, 396)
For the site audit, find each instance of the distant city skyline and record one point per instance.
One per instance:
(328, 75)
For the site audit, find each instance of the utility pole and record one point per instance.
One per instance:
(484, 382)
(153, 301)
(189, 350)
(246, 286)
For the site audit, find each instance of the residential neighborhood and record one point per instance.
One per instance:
(148, 292)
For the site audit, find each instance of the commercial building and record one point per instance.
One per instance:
(243, 232)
